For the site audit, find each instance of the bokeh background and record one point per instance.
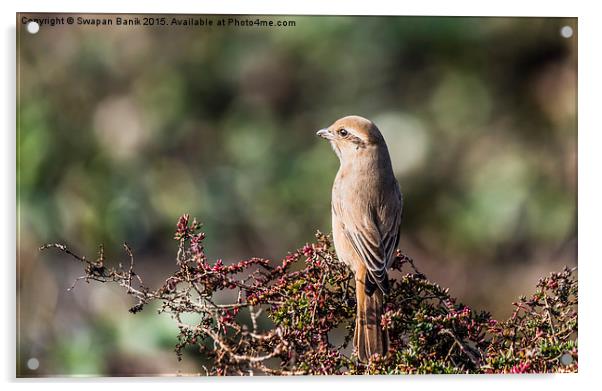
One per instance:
(123, 129)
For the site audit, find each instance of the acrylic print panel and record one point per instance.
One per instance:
(169, 167)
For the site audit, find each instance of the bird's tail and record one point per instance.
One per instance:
(369, 338)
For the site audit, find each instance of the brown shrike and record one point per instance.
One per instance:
(366, 215)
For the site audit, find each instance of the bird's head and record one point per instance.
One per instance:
(352, 136)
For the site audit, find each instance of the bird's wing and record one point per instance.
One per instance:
(393, 211)
(375, 236)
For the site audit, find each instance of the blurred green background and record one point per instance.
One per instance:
(123, 129)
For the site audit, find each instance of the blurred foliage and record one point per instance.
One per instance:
(123, 129)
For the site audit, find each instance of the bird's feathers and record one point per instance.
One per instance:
(375, 237)
(370, 338)
(366, 215)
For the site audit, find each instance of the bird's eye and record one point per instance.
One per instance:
(343, 132)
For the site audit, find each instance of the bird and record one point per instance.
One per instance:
(366, 218)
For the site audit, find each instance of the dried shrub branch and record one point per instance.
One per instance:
(308, 297)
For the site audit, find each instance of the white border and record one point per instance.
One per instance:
(316, 7)
(590, 194)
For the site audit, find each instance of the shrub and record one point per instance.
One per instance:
(309, 296)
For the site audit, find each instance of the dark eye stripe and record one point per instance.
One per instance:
(357, 141)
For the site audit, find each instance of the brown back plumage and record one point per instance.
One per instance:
(366, 215)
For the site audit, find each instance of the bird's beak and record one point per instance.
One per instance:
(324, 133)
